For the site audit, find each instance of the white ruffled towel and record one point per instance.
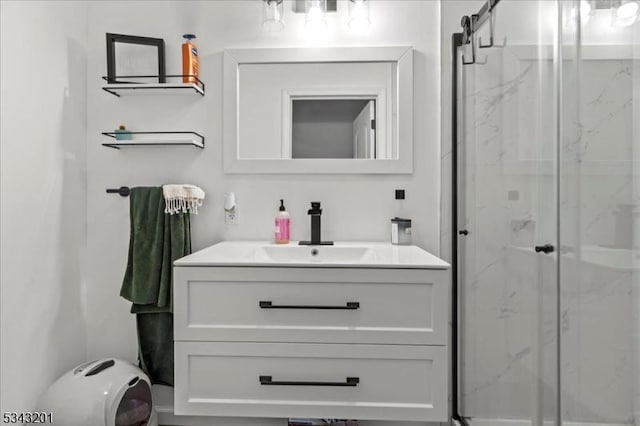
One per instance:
(182, 198)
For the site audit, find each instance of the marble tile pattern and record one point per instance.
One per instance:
(509, 293)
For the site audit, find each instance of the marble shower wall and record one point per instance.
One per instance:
(509, 292)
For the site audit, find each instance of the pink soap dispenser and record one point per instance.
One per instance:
(282, 225)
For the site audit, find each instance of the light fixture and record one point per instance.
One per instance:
(585, 11)
(623, 12)
(272, 15)
(626, 14)
(315, 19)
(359, 15)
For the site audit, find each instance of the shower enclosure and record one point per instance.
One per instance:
(546, 214)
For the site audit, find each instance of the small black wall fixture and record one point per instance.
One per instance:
(112, 39)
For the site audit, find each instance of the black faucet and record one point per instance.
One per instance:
(315, 212)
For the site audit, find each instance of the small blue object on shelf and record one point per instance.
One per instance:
(122, 134)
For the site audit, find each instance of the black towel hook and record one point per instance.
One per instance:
(123, 191)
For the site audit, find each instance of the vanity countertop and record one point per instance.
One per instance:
(341, 254)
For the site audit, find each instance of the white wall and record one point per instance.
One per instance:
(356, 207)
(43, 157)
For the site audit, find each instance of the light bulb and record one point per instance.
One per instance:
(273, 11)
(315, 13)
(628, 10)
(627, 14)
(315, 16)
(585, 11)
(358, 15)
(273, 15)
(585, 14)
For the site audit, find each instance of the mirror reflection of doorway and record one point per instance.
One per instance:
(364, 132)
(333, 128)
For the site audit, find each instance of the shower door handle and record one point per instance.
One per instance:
(546, 249)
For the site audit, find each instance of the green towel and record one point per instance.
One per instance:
(157, 239)
(155, 346)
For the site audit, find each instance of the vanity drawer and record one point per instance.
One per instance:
(327, 305)
(382, 382)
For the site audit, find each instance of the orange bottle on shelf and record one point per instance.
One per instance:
(190, 66)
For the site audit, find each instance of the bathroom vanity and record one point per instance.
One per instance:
(346, 331)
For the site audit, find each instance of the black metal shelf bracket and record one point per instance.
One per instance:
(116, 85)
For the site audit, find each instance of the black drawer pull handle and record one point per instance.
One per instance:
(546, 249)
(463, 232)
(268, 380)
(267, 304)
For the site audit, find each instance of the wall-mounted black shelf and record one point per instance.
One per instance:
(145, 85)
(161, 139)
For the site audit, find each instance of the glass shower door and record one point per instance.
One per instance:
(599, 260)
(508, 221)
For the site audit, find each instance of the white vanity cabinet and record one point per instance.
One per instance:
(365, 343)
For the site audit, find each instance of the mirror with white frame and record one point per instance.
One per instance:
(318, 110)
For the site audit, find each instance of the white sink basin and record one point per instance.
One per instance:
(342, 255)
(314, 253)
